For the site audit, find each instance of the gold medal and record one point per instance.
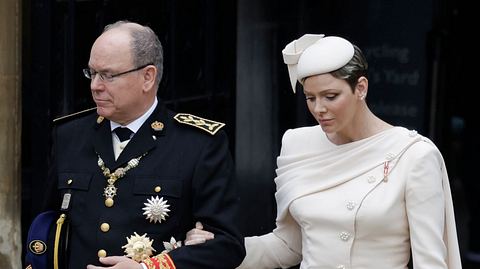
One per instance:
(110, 191)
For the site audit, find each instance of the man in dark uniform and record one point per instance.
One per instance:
(134, 193)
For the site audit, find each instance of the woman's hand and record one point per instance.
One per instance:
(197, 235)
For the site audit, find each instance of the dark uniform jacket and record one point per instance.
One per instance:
(192, 168)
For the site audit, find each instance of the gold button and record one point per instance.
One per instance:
(158, 189)
(69, 181)
(102, 253)
(105, 227)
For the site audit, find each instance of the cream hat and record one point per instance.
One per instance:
(314, 55)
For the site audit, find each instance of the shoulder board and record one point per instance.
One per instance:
(209, 126)
(73, 115)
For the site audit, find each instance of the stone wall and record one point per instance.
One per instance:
(10, 134)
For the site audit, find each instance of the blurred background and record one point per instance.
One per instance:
(223, 61)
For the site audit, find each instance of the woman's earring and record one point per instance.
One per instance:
(362, 97)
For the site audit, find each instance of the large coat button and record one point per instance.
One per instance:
(105, 227)
(102, 253)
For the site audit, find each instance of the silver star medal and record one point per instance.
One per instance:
(173, 244)
(156, 209)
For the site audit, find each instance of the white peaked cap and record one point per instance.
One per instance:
(314, 55)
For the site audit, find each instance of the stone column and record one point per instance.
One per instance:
(10, 124)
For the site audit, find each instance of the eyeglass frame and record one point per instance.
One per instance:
(87, 72)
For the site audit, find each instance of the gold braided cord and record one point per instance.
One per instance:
(60, 222)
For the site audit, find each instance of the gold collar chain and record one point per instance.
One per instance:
(110, 191)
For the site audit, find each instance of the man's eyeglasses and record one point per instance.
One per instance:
(90, 74)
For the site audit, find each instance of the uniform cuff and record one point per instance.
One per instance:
(162, 261)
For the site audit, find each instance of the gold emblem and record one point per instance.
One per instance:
(139, 248)
(207, 125)
(37, 247)
(100, 119)
(157, 126)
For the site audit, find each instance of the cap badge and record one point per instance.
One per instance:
(37, 247)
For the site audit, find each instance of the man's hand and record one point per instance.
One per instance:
(197, 235)
(117, 262)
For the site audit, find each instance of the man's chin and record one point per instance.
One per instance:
(103, 111)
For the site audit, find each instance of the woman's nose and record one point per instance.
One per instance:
(320, 107)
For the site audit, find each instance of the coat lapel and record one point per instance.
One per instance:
(145, 139)
(103, 143)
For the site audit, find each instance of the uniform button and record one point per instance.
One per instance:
(69, 181)
(157, 189)
(105, 227)
(351, 205)
(102, 253)
(122, 147)
(371, 179)
(340, 266)
(345, 236)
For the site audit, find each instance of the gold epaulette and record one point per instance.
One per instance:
(209, 126)
(73, 115)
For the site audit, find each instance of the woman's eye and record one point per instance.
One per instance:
(331, 96)
(310, 98)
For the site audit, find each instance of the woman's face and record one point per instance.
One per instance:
(331, 102)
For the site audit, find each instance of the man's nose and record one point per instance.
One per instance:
(96, 82)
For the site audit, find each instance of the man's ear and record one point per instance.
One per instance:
(149, 77)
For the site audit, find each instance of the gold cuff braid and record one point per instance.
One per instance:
(161, 261)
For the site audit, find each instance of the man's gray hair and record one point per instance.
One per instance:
(146, 47)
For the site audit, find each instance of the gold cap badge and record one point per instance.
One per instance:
(37, 247)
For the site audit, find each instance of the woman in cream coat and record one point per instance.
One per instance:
(353, 191)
